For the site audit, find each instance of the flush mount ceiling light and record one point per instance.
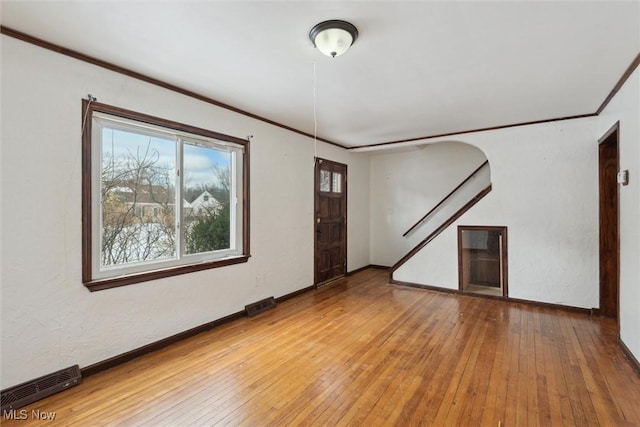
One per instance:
(334, 37)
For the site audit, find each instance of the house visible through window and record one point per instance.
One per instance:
(166, 198)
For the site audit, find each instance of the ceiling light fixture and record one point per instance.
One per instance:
(334, 37)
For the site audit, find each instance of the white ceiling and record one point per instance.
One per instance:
(419, 68)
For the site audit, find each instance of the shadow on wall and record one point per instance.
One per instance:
(408, 183)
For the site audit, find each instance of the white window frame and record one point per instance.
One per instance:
(101, 277)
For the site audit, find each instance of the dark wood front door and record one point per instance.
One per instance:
(608, 159)
(330, 220)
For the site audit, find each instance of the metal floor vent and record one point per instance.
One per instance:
(34, 390)
(260, 306)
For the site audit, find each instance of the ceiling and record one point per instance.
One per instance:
(418, 68)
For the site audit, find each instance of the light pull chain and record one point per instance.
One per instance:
(315, 118)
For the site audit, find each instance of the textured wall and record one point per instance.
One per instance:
(407, 184)
(545, 181)
(49, 319)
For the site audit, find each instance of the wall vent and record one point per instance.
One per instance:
(260, 306)
(34, 390)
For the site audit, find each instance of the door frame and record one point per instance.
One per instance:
(609, 149)
(316, 189)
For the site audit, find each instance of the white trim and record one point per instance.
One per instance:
(101, 121)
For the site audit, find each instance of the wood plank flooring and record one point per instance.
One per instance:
(362, 352)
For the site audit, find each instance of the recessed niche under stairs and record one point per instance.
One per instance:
(482, 260)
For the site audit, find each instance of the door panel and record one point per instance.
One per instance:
(330, 242)
(608, 159)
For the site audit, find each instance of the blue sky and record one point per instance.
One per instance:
(198, 160)
(199, 163)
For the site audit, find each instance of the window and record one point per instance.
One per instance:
(159, 198)
(330, 182)
(337, 182)
(325, 179)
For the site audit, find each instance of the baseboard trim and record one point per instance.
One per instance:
(294, 294)
(358, 270)
(427, 287)
(366, 267)
(586, 311)
(157, 345)
(632, 359)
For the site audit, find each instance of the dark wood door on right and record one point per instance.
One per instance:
(608, 159)
(330, 221)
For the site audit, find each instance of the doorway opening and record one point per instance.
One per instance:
(609, 235)
(482, 260)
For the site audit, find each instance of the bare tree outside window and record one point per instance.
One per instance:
(138, 182)
(159, 198)
(135, 181)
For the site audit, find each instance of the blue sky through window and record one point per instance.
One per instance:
(199, 165)
(199, 161)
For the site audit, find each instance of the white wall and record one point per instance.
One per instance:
(407, 184)
(625, 107)
(545, 187)
(49, 319)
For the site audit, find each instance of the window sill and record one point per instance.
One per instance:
(114, 282)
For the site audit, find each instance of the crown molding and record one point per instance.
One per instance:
(143, 77)
(125, 71)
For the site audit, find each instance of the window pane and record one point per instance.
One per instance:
(138, 177)
(325, 180)
(164, 195)
(337, 182)
(206, 202)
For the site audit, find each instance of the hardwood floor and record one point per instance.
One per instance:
(362, 352)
